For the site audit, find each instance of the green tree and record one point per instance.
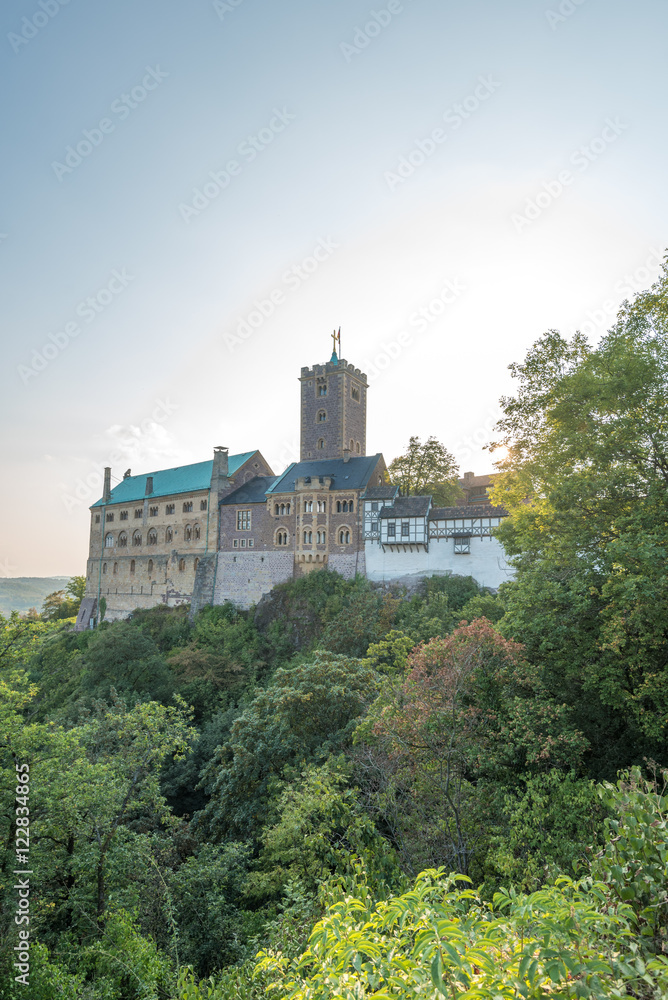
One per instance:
(585, 483)
(306, 712)
(427, 468)
(64, 603)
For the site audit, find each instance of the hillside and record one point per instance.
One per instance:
(20, 593)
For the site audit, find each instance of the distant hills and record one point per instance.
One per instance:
(20, 593)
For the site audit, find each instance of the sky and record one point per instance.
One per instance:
(196, 194)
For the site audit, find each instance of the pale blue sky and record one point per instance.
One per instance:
(332, 124)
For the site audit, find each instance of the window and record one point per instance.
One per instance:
(196, 564)
(374, 525)
(338, 506)
(352, 445)
(187, 507)
(202, 505)
(132, 565)
(122, 540)
(344, 536)
(136, 539)
(187, 533)
(350, 505)
(277, 509)
(97, 518)
(355, 393)
(322, 416)
(308, 538)
(308, 506)
(322, 389)
(320, 537)
(108, 541)
(357, 447)
(391, 530)
(104, 567)
(123, 516)
(182, 565)
(235, 543)
(150, 566)
(243, 543)
(170, 508)
(321, 444)
(243, 520)
(374, 507)
(251, 543)
(169, 534)
(462, 545)
(110, 517)
(281, 537)
(322, 506)
(152, 537)
(139, 512)
(405, 529)
(196, 532)
(153, 512)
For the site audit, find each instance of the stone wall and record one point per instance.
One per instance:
(245, 577)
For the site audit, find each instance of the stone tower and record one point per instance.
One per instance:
(333, 411)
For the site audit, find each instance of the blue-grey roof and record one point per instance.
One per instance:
(351, 475)
(254, 491)
(407, 507)
(183, 479)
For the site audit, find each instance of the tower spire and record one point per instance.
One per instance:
(336, 337)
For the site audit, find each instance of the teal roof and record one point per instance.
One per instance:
(183, 479)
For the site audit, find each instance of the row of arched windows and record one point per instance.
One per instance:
(343, 536)
(280, 509)
(191, 533)
(344, 506)
(149, 566)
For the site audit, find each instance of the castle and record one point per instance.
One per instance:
(228, 529)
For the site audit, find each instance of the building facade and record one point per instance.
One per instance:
(229, 529)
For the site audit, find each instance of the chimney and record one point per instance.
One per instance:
(468, 476)
(149, 485)
(106, 493)
(220, 472)
(346, 454)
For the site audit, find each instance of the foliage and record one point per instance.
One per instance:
(305, 713)
(427, 468)
(470, 708)
(441, 939)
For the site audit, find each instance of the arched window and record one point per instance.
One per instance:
(169, 534)
(281, 537)
(132, 565)
(350, 506)
(196, 532)
(344, 506)
(322, 389)
(152, 537)
(338, 506)
(321, 537)
(182, 565)
(196, 563)
(282, 509)
(322, 416)
(344, 536)
(136, 539)
(287, 508)
(321, 443)
(108, 541)
(277, 509)
(104, 567)
(322, 506)
(123, 540)
(150, 566)
(357, 447)
(308, 537)
(187, 532)
(115, 568)
(352, 445)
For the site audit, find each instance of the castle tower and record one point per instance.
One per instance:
(333, 411)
